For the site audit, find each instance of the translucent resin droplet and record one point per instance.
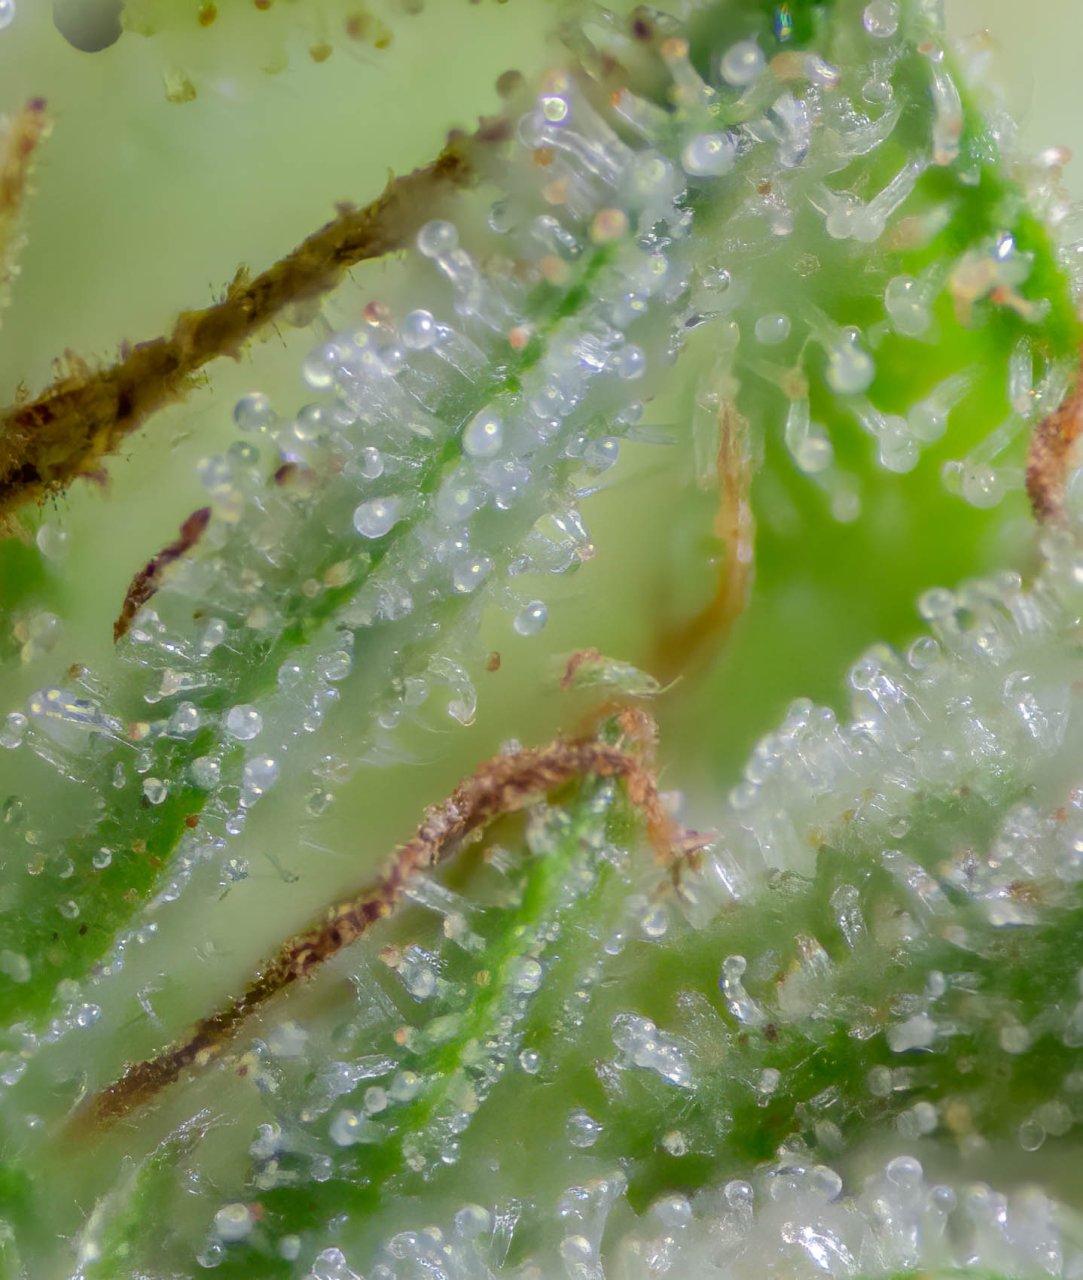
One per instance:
(375, 518)
(742, 63)
(530, 620)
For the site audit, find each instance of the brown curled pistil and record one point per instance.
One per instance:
(1050, 454)
(63, 434)
(147, 581)
(505, 784)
